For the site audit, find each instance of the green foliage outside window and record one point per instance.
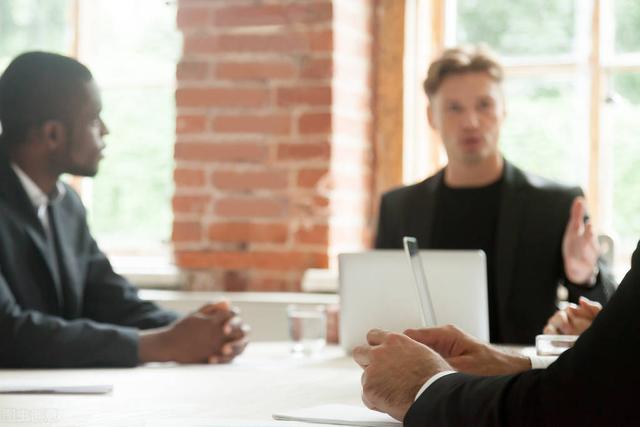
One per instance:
(32, 25)
(518, 27)
(625, 137)
(627, 16)
(132, 192)
(539, 131)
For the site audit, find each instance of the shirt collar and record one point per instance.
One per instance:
(36, 195)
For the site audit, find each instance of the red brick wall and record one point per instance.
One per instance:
(273, 145)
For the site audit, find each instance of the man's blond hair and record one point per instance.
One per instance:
(460, 60)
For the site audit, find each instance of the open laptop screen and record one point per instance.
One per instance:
(377, 290)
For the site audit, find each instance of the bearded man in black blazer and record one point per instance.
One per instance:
(61, 304)
(531, 229)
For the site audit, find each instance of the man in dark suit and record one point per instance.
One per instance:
(61, 304)
(413, 377)
(532, 230)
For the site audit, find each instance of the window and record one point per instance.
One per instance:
(131, 49)
(33, 25)
(572, 94)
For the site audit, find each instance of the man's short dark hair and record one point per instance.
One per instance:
(460, 60)
(37, 87)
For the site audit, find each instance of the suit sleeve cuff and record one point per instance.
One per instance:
(432, 380)
(541, 362)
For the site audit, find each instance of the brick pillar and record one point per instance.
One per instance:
(273, 145)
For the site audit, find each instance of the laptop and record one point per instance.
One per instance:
(378, 290)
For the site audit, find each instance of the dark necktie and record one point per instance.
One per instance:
(55, 251)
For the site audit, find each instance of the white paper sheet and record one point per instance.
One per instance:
(344, 415)
(55, 389)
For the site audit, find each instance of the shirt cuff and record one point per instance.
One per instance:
(432, 380)
(541, 362)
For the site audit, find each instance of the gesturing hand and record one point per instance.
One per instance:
(580, 248)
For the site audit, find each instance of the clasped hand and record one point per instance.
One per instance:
(213, 334)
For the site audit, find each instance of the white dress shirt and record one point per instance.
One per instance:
(41, 203)
(38, 198)
(537, 362)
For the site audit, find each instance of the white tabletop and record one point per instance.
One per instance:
(264, 380)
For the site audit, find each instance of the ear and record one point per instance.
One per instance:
(504, 104)
(54, 134)
(430, 116)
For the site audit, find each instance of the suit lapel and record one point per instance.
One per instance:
(509, 220)
(68, 273)
(40, 242)
(16, 198)
(424, 212)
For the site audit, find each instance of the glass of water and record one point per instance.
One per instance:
(307, 328)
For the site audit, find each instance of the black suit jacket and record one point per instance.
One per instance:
(89, 317)
(532, 219)
(593, 384)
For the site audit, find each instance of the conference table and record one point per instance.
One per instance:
(266, 379)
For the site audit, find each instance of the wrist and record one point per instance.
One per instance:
(152, 347)
(586, 279)
(515, 363)
(521, 363)
(594, 276)
(427, 383)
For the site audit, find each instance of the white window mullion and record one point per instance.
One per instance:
(450, 23)
(417, 55)
(606, 38)
(583, 49)
(594, 189)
